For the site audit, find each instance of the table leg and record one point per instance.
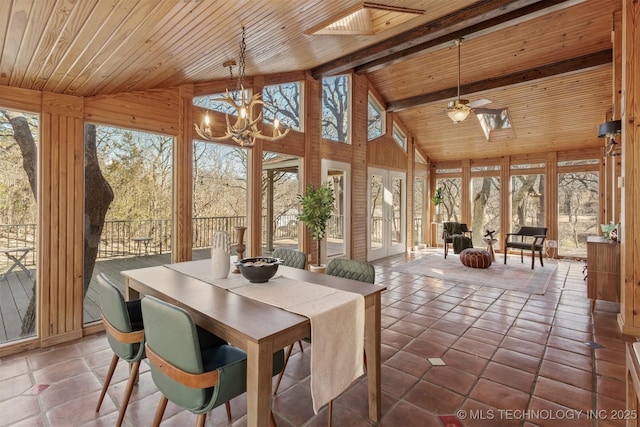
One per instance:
(130, 294)
(372, 342)
(491, 252)
(259, 374)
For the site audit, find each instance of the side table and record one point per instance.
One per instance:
(489, 242)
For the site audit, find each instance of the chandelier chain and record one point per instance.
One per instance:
(243, 49)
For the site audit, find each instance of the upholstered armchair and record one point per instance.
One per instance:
(456, 234)
(526, 238)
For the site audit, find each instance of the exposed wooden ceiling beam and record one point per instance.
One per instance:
(473, 21)
(498, 23)
(555, 69)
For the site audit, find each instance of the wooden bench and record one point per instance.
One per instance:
(526, 239)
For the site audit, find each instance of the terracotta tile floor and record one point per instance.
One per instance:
(488, 356)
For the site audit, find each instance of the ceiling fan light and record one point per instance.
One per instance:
(458, 114)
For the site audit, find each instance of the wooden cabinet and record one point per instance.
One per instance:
(603, 270)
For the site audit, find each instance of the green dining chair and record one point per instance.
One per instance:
(290, 257)
(193, 368)
(351, 269)
(125, 332)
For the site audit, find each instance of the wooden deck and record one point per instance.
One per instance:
(16, 289)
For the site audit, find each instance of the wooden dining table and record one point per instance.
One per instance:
(257, 328)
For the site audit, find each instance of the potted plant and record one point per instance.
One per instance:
(317, 208)
(437, 200)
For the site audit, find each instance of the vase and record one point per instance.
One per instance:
(220, 255)
(240, 247)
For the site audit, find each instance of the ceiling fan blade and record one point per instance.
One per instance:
(479, 103)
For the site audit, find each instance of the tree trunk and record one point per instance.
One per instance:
(479, 204)
(97, 201)
(98, 196)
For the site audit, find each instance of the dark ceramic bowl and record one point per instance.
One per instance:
(259, 269)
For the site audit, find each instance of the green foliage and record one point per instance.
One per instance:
(317, 208)
(438, 197)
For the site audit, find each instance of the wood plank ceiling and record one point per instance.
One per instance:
(96, 47)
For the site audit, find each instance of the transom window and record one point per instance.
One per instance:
(399, 137)
(376, 122)
(282, 102)
(335, 108)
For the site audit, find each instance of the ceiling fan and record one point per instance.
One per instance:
(459, 109)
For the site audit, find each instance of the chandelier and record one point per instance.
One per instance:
(244, 131)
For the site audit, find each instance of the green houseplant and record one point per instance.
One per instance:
(317, 208)
(437, 199)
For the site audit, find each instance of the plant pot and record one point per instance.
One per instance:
(322, 268)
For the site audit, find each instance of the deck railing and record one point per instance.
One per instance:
(120, 238)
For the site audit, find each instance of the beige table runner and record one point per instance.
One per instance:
(337, 325)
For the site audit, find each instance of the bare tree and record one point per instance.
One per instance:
(97, 199)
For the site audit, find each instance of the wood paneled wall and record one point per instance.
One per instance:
(629, 317)
(61, 210)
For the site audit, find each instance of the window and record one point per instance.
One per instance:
(578, 206)
(485, 208)
(335, 108)
(280, 189)
(137, 223)
(401, 139)
(337, 174)
(452, 193)
(376, 119)
(282, 102)
(418, 210)
(527, 200)
(215, 101)
(19, 148)
(494, 122)
(219, 193)
(419, 158)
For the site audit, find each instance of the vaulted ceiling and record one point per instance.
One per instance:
(549, 62)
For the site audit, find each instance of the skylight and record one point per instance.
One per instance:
(494, 122)
(367, 18)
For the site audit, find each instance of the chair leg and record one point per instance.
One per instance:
(162, 405)
(533, 259)
(521, 256)
(446, 249)
(541, 262)
(107, 380)
(286, 360)
(330, 412)
(133, 375)
(300, 344)
(506, 249)
(201, 420)
(227, 405)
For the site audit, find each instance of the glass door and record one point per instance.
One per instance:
(387, 213)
